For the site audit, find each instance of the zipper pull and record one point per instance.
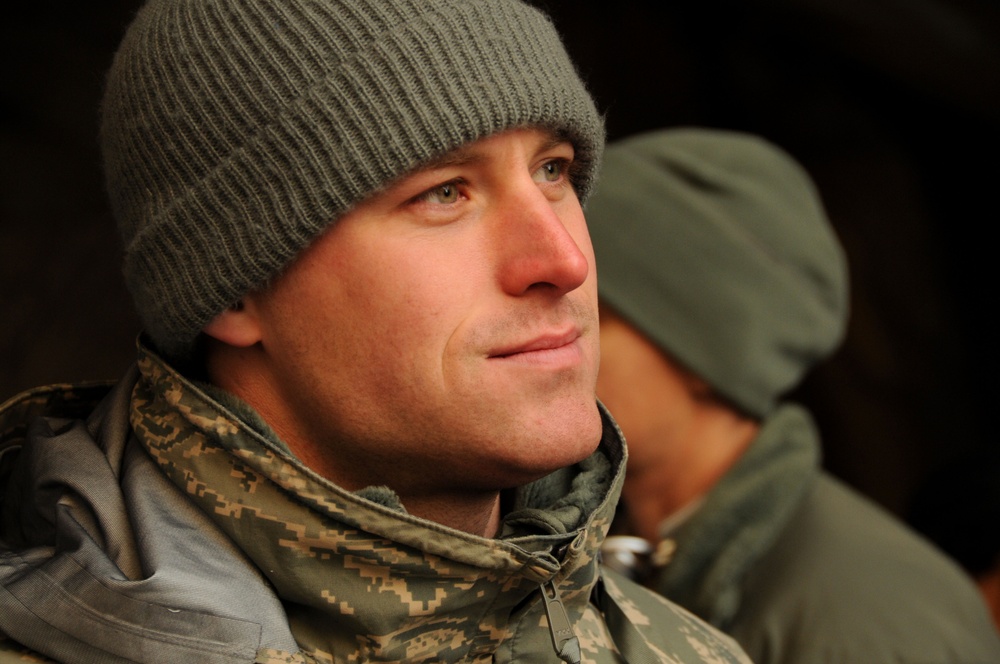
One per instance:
(563, 638)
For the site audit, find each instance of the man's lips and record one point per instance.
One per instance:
(544, 342)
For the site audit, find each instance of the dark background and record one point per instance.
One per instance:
(892, 105)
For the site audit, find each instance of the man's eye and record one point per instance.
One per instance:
(551, 171)
(443, 193)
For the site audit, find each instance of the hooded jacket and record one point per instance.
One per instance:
(801, 569)
(169, 524)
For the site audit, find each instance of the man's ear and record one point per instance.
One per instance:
(237, 326)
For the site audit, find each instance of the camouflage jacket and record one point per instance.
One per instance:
(168, 524)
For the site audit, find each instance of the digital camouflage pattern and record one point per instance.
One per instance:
(62, 400)
(360, 580)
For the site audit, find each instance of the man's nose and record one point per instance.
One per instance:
(537, 249)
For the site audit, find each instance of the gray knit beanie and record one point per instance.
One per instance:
(714, 244)
(235, 131)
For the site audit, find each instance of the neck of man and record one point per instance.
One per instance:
(473, 514)
(688, 461)
(474, 511)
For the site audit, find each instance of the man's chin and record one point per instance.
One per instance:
(568, 440)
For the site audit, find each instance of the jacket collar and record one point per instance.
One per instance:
(335, 553)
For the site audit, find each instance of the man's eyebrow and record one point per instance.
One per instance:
(461, 156)
(553, 140)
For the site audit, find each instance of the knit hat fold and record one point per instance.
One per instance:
(235, 131)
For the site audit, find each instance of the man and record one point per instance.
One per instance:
(362, 425)
(721, 284)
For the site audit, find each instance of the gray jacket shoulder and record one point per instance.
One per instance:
(846, 581)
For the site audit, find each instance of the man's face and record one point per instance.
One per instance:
(443, 331)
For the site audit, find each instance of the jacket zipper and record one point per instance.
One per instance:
(564, 639)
